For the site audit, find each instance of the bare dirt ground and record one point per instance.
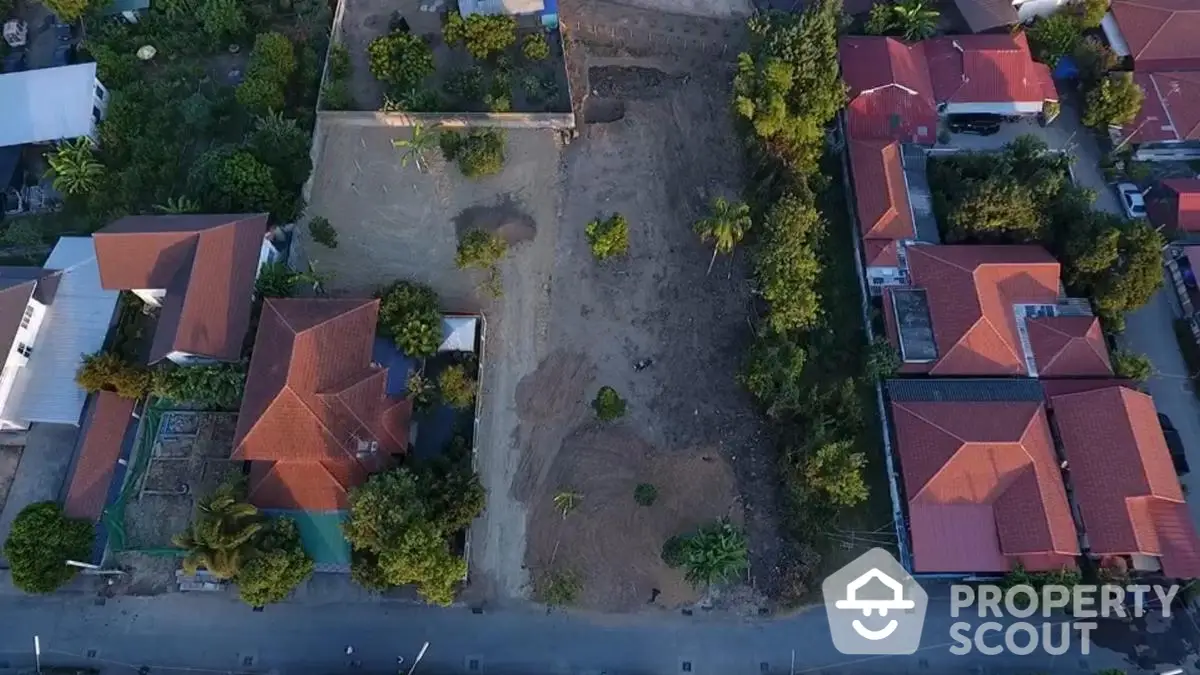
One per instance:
(610, 541)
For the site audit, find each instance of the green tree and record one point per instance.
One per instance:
(213, 386)
(996, 208)
(280, 143)
(414, 148)
(402, 522)
(74, 167)
(68, 11)
(223, 535)
(1055, 36)
(41, 542)
(277, 280)
(1094, 59)
(243, 184)
(775, 372)
(535, 47)
(725, 226)
(489, 34)
(277, 567)
(454, 28)
(457, 387)
(400, 60)
(914, 19)
(715, 553)
(107, 371)
(835, 472)
(272, 62)
(881, 20)
(1138, 273)
(608, 237)
(608, 404)
(222, 19)
(787, 267)
(478, 153)
(1131, 365)
(409, 315)
(323, 232)
(1116, 101)
(1090, 12)
(420, 390)
(882, 360)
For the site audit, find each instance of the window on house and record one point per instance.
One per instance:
(27, 317)
(24, 349)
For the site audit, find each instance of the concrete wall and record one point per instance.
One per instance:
(563, 121)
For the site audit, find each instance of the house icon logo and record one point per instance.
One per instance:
(874, 606)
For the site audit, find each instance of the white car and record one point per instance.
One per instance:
(1131, 200)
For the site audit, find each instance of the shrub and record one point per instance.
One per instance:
(1132, 365)
(244, 184)
(535, 47)
(608, 404)
(420, 390)
(608, 237)
(409, 315)
(883, 361)
(645, 494)
(67, 10)
(277, 568)
(214, 386)
(674, 551)
(106, 371)
(272, 62)
(479, 153)
(835, 472)
(323, 232)
(558, 588)
(454, 28)
(480, 249)
(277, 280)
(401, 60)
(74, 167)
(41, 541)
(1115, 101)
(457, 387)
(715, 553)
(489, 34)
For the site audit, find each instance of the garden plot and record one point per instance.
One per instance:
(459, 83)
(189, 457)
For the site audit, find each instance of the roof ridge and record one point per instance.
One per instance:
(1162, 26)
(935, 425)
(984, 317)
(338, 316)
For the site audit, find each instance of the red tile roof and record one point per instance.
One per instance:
(987, 68)
(1170, 109)
(971, 292)
(983, 486)
(103, 434)
(1176, 204)
(881, 198)
(315, 404)
(889, 90)
(1068, 346)
(207, 265)
(1160, 34)
(1123, 479)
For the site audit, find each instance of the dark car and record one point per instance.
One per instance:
(1174, 445)
(982, 125)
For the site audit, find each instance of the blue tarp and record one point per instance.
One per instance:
(321, 533)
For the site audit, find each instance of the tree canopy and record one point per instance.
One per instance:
(409, 314)
(1115, 101)
(278, 565)
(41, 541)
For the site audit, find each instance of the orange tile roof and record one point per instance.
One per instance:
(1123, 478)
(983, 486)
(971, 292)
(881, 199)
(987, 68)
(207, 265)
(103, 434)
(1160, 34)
(316, 409)
(1068, 346)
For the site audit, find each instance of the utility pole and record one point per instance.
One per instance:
(37, 654)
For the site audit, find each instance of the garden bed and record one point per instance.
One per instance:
(459, 82)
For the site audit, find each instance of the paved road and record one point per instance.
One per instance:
(205, 632)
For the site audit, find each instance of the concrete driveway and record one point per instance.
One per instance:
(41, 473)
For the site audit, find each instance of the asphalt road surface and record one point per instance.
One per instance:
(217, 634)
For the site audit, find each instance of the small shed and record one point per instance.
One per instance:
(127, 9)
(458, 333)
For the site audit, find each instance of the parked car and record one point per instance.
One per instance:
(1132, 200)
(1174, 445)
(982, 125)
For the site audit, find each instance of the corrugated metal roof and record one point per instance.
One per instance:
(981, 390)
(76, 323)
(47, 104)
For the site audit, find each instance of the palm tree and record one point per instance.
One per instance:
(222, 536)
(74, 167)
(413, 149)
(915, 19)
(177, 205)
(566, 501)
(725, 227)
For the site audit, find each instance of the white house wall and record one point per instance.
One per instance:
(1006, 108)
(150, 296)
(1032, 9)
